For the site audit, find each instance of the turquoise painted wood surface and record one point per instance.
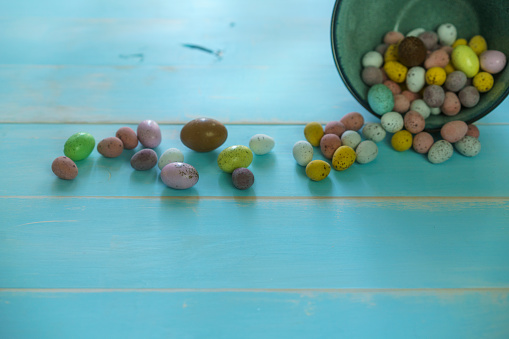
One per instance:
(398, 248)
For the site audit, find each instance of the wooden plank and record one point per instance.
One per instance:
(29, 150)
(302, 314)
(253, 243)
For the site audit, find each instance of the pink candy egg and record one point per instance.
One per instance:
(492, 61)
(149, 133)
(179, 175)
(454, 130)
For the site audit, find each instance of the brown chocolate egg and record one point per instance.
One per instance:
(64, 168)
(411, 52)
(203, 134)
(110, 147)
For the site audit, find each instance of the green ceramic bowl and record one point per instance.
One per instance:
(358, 26)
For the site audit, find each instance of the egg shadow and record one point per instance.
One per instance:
(144, 177)
(262, 162)
(321, 188)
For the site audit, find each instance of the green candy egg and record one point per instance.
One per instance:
(464, 59)
(234, 157)
(79, 146)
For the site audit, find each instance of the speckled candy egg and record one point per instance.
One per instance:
(392, 122)
(415, 79)
(128, 137)
(451, 105)
(372, 76)
(111, 147)
(401, 140)
(438, 58)
(374, 131)
(473, 131)
(351, 139)
(169, 156)
(401, 103)
(366, 152)
(149, 133)
(343, 158)
(242, 178)
(455, 81)
(492, 61)
(335, 127)
(64, 168)
(261, 144)
(469, 96)
(429, 38)
(468, 146)
(422, 142)
(313, 132)
(447, 34)
(380, 99)
(433, 96)
(440, 152)
(372, 58)
(302, 152)
(352, 121)
(179, 175)
(203, 134)
(144, 160)
(420, 107)
(317, 170)
(329, 144)
(414, 122)
(454, 130)
(234, 157)
(79, 146)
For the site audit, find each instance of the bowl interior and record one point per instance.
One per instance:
(358, 26)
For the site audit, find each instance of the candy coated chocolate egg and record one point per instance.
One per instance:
(128, 137)
(372, 58)
(242, 178)
(469, 96)
(401, 140)
(440, 152)
(64, 168)
(392, 122)
(473, 131)
(468, 146)
(447, 34)
(351, 139)
(372, 76)
(411, 51)
(313, 132)
(433, 96)
(261, 144)
(110, 147)
(149, 133)
(335, 127)
(329, 144)
(464, 59)
(317, 170)
(203, 134)
(144, 160)
(79, 146)
(179, 175)
(373, 131)
(414, 122)
(169, 156)
(401, 103)
(302, 152)
(352, 121)
(366, 152)
(234, 157)
(415, 79)
(454, 130)
(455, 81)
(451, 105)
(380, 99)
(420, 107)
(493, 61)
(422, 142)
(343, 158)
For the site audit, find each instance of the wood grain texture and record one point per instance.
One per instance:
(406, 314)
(158, 243)
(30, 150)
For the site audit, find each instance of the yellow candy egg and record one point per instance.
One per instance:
(436, 76)
(483, 82)
(396, 71)
(402, 140)
(459, 42)
(317, 170)
(449, 68)
(343, 158)
(391, 53)
(313, 133)
(478, 44)
(464, 59)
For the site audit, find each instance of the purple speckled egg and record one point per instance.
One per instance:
(149, 133)
(144, 159)
(492, 61)
(242, 178)
(179, 175)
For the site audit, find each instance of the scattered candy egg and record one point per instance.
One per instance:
(372, 76)
(422, 142)
(144, 159)
(401, 141)
(313, 132)
(416, 79)
(352, 121)
(372, 58)
(169, 156)
(411, 52)
(464, 59)
(179, 175)
(420, 107)
(401, 103)
(203, 134)
(79, 146)
(373, 131)
(473, 131)
(447, 34)
(128, 137)
(302, 152)
(380, 99)
(234, 157)
(414, 122)
(438, 58)
(329, 144)
(478, 44)
(395, 71)
(392, 122)
(111, 147)
(391, 53)
(393, 37)
(242, 178)
(483, 82)
(440, 152)
(468, 146)
(451, 105)
(261, 144)
(366, 152)
(435, 76)
(454, 130)
(149, 133)
(455, 81)
(335, 127)
(469, 96)
(492, 61)
(343, 158)
(351, 139)
(317, 170)
(64, 168)
(433, 96)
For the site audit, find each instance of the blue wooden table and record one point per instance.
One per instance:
(398, 248)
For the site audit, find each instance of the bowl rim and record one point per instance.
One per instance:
(495, 103)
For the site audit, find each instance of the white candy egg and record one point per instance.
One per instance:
(420, 107)
(468, 146)
(440, 151)
(366, 152)
(303, 152)
(261, 144)
(169, 156)
(351, 139)
(372, 58)
(392, 122)
(415, 79)
(447, 34)
(374, 131)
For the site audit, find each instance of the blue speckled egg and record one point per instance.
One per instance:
(380, 99)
